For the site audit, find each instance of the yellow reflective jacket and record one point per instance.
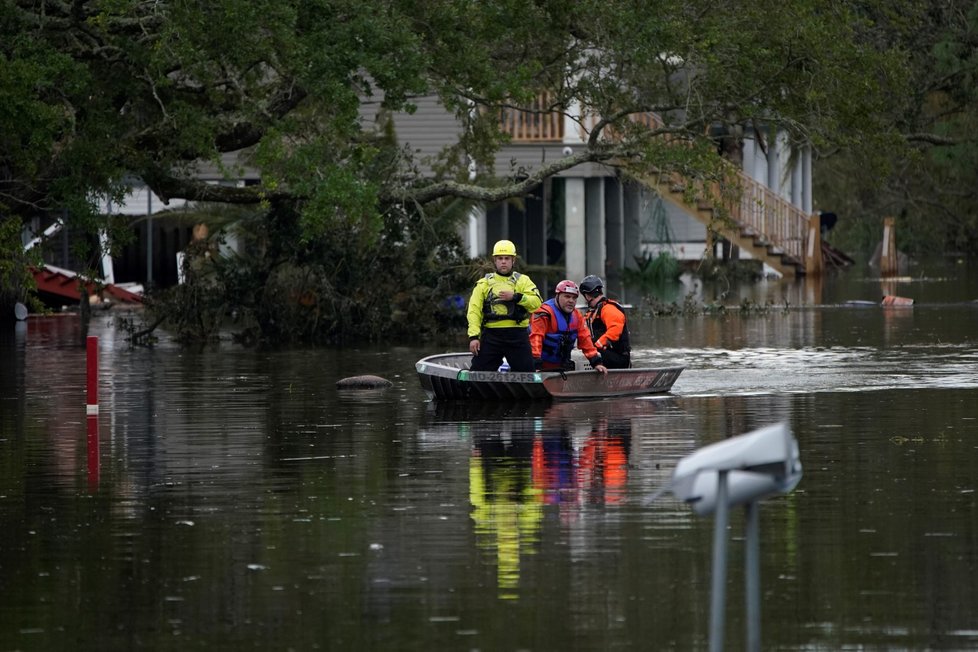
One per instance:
(487, 311)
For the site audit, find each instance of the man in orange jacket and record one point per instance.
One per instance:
(608, 325)
(557, 327)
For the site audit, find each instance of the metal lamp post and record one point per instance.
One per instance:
(742, 470)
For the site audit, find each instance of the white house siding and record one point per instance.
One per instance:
(682, 236)
(431, 128)
(781, 179)
(517, 158)
(624, 215)
(426, 132)
(235, 169)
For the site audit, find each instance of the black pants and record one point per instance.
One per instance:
(614, 360)
(514, 343)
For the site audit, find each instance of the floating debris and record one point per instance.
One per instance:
(890, 300)
(363, 382)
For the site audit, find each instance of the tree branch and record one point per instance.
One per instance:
(167, 187)
(443, 189)
(934, 139)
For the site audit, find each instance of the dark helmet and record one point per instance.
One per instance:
(591, 285)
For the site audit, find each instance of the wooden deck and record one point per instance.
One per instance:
(744, 211)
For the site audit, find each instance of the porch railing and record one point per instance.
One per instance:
(536, 123)
(759, 212)
(769, 215)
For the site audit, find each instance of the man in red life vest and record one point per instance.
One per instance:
(607, 324)
(557, 327)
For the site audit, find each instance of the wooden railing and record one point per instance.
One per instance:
(771, 216)
(753, 209)
(588, 123)
(533, 124)
(759, 211)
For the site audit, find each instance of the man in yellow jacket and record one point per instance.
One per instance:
(499, 314)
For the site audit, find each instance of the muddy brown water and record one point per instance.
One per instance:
(237, 500)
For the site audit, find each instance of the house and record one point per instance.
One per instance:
(587, 219)
(593, 221)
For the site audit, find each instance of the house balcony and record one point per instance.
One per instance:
(539, 123)
(755, 217)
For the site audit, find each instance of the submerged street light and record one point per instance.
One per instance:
(741, 470)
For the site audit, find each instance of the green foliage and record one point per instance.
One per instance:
(730, 271)
(654, 276)
(338, 288)
(928, 180)
(105, 89)
(95, 93)
(15, 278)
(658, 308)
(691, 307)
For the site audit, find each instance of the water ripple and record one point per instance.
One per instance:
(763, 370)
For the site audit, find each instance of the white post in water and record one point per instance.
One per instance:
(718, 594)
(888, 252)
(741, 470)
(752, 574)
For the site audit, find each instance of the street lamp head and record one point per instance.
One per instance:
(758, 464)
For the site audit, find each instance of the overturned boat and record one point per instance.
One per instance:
(447, 376)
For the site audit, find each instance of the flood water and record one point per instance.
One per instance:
(235, 499)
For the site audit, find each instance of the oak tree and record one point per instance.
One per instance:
(95, 93)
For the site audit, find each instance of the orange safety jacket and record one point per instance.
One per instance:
(609, 327)
(545, 321)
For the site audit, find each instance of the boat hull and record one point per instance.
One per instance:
(617, 382)
(447, 376)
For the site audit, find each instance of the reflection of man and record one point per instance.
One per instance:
(553, 466)
(603, 463)
(507, 518)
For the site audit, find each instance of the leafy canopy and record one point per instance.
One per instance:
(930, 180)
(91, 92)
(94, 93)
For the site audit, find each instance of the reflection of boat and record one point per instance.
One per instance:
(448, 376)
(623, 406)
(496, 412)
(447, 420)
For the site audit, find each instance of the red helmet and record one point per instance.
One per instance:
(570, 287)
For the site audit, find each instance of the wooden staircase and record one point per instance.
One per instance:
(751, 216)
